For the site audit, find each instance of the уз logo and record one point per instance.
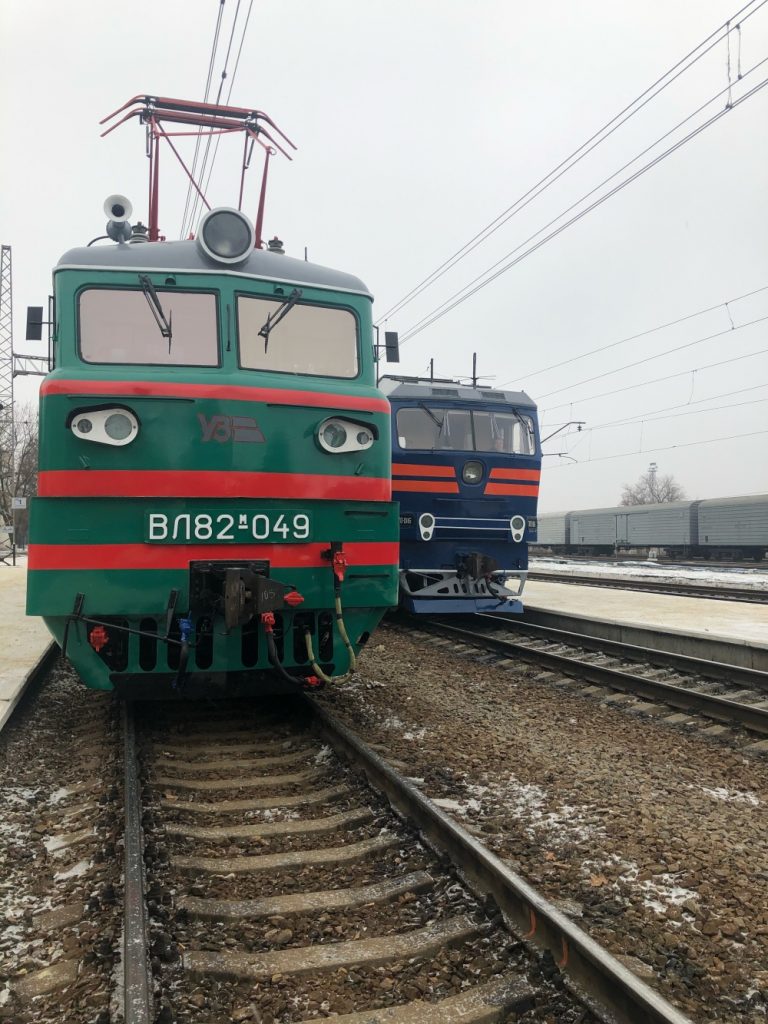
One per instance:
(238, 429)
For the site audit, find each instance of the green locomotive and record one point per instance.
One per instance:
(214, 504)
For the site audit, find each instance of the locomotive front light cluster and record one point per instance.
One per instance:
(226, 235)
(337, 435)
(472, 473)
(105, 426)
(517, 526)
(426, 525)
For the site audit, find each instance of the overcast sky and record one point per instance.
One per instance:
(418, 123)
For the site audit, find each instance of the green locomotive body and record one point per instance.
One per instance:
(214, 471)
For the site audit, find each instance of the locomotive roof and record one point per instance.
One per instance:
(186, 256)
(450, 391)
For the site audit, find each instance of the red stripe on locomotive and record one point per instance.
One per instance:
(82, 557)
(438, 486)
(170, 389)
(182, 483)
(405, 469)
(500, 473)
(530, 490)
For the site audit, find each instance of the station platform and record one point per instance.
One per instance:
(23, 640)
(735, 632)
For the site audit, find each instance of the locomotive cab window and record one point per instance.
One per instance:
(467, 430)
(290, 337)
(148, 326)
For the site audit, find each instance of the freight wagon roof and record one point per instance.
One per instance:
(746, 499)
(450, 391)
(187, 257)
(624, 509)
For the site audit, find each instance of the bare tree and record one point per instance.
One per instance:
(652, 489)
(18, 465)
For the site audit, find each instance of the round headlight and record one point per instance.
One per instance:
(472, 472)
(84, 426)
(334, 435)
(226, 235)
(118, 426)
(517, 523)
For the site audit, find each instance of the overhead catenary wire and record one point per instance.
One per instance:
(639, 420)
(209, 78)
(491, 273)
(656, 380)
(636, 417)
(652, 451)
(229, 91)
(222, 80)
(635, 337)
(657, 355)
(645, 97)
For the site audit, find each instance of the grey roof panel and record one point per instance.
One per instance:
(447, 391)
(186, 256)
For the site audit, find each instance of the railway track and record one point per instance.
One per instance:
(726, 693)
(725, 593)
(281, 885)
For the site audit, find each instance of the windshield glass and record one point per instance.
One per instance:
(117, 326)
(465, 430)
(315, 340)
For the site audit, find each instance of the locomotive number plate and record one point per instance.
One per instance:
(273, 527)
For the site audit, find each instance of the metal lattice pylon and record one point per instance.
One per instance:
(6, 329)
(6, 352)
(7, 439)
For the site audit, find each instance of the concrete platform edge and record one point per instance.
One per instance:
(42, 664)
(713, 647)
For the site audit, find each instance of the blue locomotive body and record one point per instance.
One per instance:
(466, 465)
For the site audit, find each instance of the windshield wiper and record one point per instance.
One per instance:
(274, 318)
(165, 325)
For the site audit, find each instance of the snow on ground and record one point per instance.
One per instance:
(732, 796)
(736, 576)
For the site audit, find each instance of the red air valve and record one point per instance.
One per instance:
(293, 599)
(268, 620)
(98, 638)
(339, 565)
(312, 682)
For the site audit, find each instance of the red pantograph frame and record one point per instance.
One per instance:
(152, 111)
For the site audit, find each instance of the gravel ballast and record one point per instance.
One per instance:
(652, 837)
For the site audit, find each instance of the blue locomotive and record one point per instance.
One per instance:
(466, 465)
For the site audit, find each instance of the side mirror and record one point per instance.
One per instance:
(392, 346)
(34, 323)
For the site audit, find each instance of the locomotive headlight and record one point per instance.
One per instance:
(338, 435)
(472, 473)
(226, 235)
(105, 426)
(517, 526)
(426, 525)
(333, 435)
(118, 426)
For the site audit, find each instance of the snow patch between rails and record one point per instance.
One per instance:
(415, 734)
(732, 796)
(558, 829)
(76, 871)
(657, 893)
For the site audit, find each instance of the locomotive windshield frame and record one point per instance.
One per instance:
(147, 341)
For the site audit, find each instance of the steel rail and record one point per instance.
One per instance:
(721, 708)
(137, 978)
(678, 589)
(609, 988)
(717, 670)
